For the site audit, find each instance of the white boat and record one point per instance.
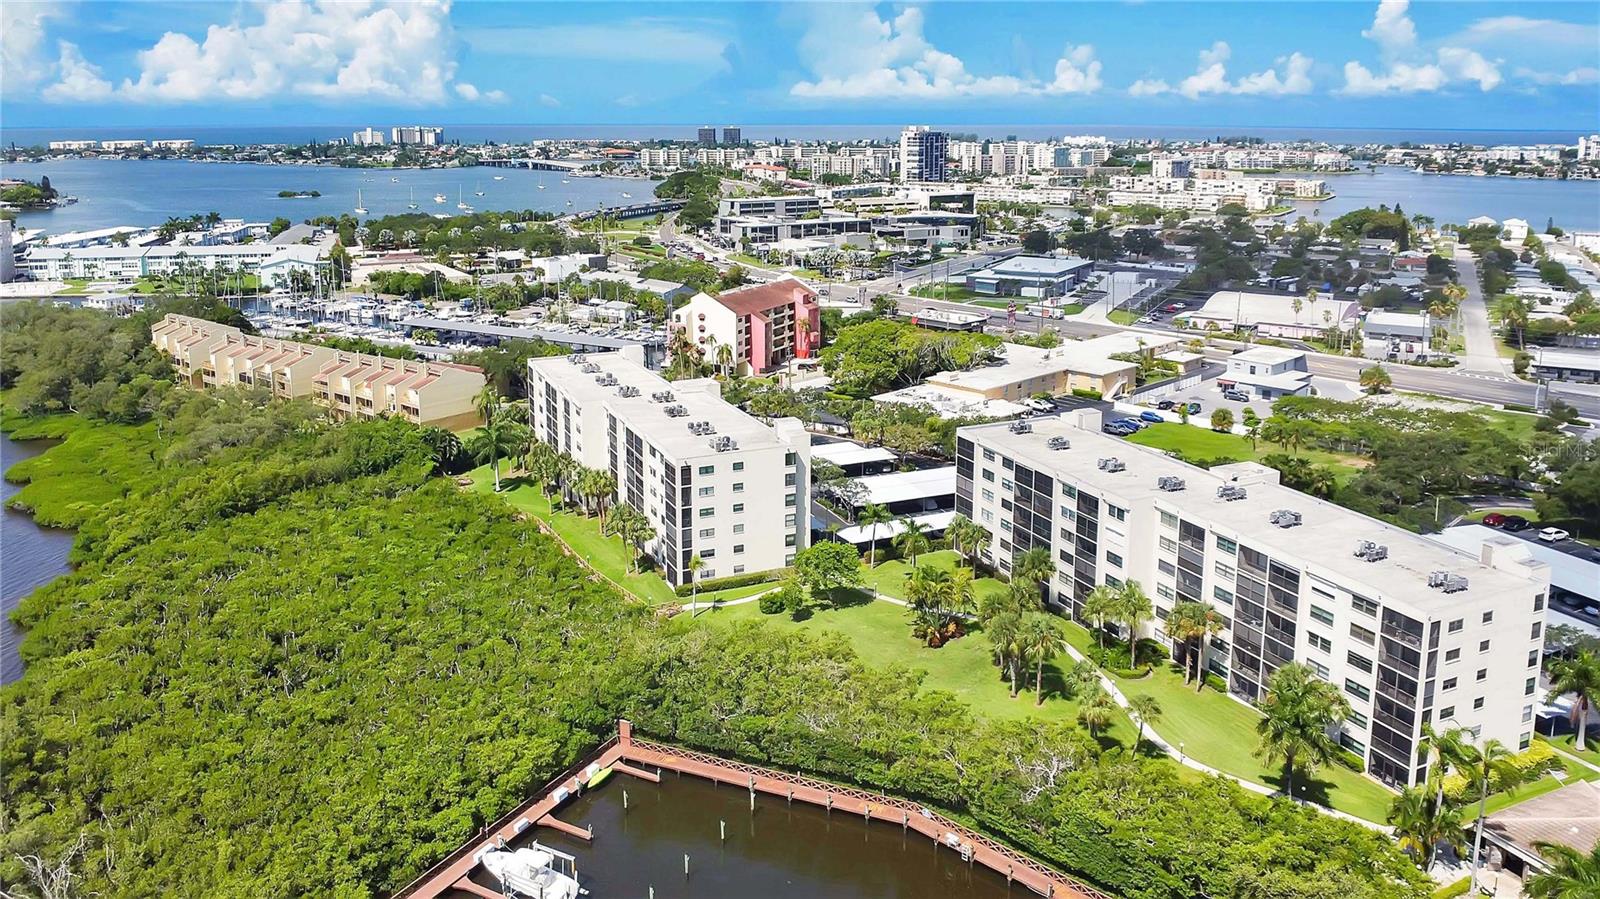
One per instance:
(438, 198)
(499, 177)
(563, 181)
(569, 202)
(361, 208)
(460, 203)
(541, 182)
(478, 189)
(627, 196)
(534, 871)
(394, 180)
(413, 203)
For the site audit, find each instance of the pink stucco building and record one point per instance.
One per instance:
(766, 325)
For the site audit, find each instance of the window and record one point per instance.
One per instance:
(738, 486)
(1163, 591)
(790, 458)
(707, 469)
(1005, 484)
(1005, 526)
(1451, 655)
(738, 466)
(1222, 595)
(1527, 714)
(1317, 668)
(1364, 605)
(1169, 520)
(707, 533)
(1114, 559)
(1319, 642)
(1166, 567)
(708, 554)
(1488, 616)
(1483, 674)
(988, 495)
(707, 574)
(738, 529)
(1533, 657)
(788, 520)
(706, 491)
(1363, 634)
(1117, 582)
(1358, 719)
(988, 455)
(1069, 491)
(788, 559)
(1525, 740)
(788, 540)
(789, 501)
(988, 475)
(738, 548)
(1169, 545)
(738, 569)
(1538, 628)
(1483, 645)
(1448, 684)
(1322, 615)
(1068, 514)
(1538, 602)
(1006, 463)
(1529, 685)
(1457, 625)
(737, 508)
(1318, 591)
(1477, 703)
(988, 515)
(788, 479)
(1356, 690)
(1117, 512)
(707, 512)
(1227, 546)
(1359, 661)
(1446, 713)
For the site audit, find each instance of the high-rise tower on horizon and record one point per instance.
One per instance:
(924, 154)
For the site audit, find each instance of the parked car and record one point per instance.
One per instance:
(1194, 408)
(1553, 535)
(1494, 520)
(1238, 396)
(1152, 417)
(1134, 423)
(1164, 405)
(1515, 523)
(1117, 429)
(1592, 611)
(1177, 307)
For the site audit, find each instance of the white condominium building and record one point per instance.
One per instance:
(1412, 632)
(713, 481)
(131, 263)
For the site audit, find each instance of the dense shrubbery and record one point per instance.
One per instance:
(874, 356)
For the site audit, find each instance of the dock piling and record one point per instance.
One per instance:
(724, 829)
(624, 800)
(686, 864)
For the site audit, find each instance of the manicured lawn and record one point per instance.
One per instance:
(1477, 514)
(1122, 317)
(890, 577)
(955, 293)
(1204, 443)
(1565, 742)
(1549, 784)
(880, 633)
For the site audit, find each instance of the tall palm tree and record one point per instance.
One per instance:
(604, 488)
(1572, 875)
(1297, 711)
(487, 402)
(1580, 676)
(1193, 624)
(1133, 608)
(1421, 822)
(1040, 640)
(1448, 749)
(497, 439)
(1375, 379)
(912, 540)
(1490, 762)
(1005, 637)
(1099, 606)
(725, 360)
(872, 515)
(1514, 312)
(1033, 565)
(1095, 709)
(696, 565)
(959, 532)
(1147, 710)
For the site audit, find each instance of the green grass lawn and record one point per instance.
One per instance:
(604, 554)
(1122, 317)
(1574, 771)
(1204, 443)
(955, 293)
(890, 577)
(1565, 742)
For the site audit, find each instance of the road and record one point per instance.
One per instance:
(1481, 355)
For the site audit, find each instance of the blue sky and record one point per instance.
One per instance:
(1348, 64)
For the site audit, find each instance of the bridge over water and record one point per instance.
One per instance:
(543, 165)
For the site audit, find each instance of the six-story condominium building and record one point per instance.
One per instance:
(1412, 632)
(713, 481)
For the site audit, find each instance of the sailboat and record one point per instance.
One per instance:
(563, 181)
(478, 189)
(627, 196)
(361, 208)
(413, 203)
(541, 182)
(394, 180)
(438, 198)
(460, 203)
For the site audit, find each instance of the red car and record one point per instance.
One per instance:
(1494, 520)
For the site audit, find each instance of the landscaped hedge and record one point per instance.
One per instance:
(731, 581)
(1350, 760)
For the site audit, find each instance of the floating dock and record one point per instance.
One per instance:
(645, 760)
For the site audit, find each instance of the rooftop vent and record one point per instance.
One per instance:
(662, 396)
(676, 411)
(589, 368)
(606, 380)
(627, 390)
(1112, 464)
(1231, 492)
(1170, 484)
(1058, 443)
(702, 428)
(1372, 552)
(578, 359)
(1285, 518)
(723, 444)
(1444, 580)
(1021, 427)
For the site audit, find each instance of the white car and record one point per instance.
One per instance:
(1553, 535)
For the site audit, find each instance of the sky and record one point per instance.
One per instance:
(1388, 64)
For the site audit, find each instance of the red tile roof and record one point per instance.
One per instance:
(762, 297)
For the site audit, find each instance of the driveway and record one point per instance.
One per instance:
(1481, 354)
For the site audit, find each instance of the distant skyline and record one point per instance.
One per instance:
(1360, 65)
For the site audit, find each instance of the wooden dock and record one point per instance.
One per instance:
(642, 758)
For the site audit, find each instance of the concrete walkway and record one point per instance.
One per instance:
(1481, 354)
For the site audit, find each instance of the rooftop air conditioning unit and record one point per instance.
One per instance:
(1021, 427)
(627, 390)
(589, 368)
(1444, 580)
(1231, 492)
(724, 444)
(578, 359)
(1285, 518)
(1170, 484)
(606, 380)
(1372, 552)
(676, 411)
(662, 396)
(1112, 464)
(1058, 443)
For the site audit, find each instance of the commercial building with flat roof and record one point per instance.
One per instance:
(1030, 276)
(1268, 372)
(1273, 315)
(713, 481)
(208, 354)
(1396, 336)
(1412, 632)
(1563, 364)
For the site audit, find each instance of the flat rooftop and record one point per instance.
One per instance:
(901, 486)
(844, 452)
(1567, 571)
(1023, 362)
(1267, 355)
(507, 332)
(1326, 538)
(701, 397)
(1568, 817)
(1036, 266)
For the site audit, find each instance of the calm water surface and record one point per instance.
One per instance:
(30, 555)
(777, 852)
(1575, 205)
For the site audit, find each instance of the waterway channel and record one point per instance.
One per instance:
(30, 555)
(778, 851)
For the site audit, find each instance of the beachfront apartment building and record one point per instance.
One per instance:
(713, 481)
(766, 324)
(208, 354)
(1413, 633)
(130, 263)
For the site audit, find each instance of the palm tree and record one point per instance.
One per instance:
(1572, 874)
(1132, 608)
(725, 360)
(1375, 379)
(1421, 822)
(566, 468)
(913, 540)
(1040, 640)
(1580, 676)
(696, 564)
(499, 437)
(1514, 311)
(1095, 709)
(1193, 624)
(967, 537)
(1147, 710)
(1297, 711)
(1099, 606)
(1005, 637)
(872, 515)
(1448, 749)
(1491, 761)
(487, 402)
(1033, 565)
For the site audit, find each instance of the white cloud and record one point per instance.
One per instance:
(859, 56)
(1409, 68)
(386, 50)
(1543, 35)
(1290, 75)
(547, 100)
(23, 50)
(79, 81)
(638, 40)
(1580, 75)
